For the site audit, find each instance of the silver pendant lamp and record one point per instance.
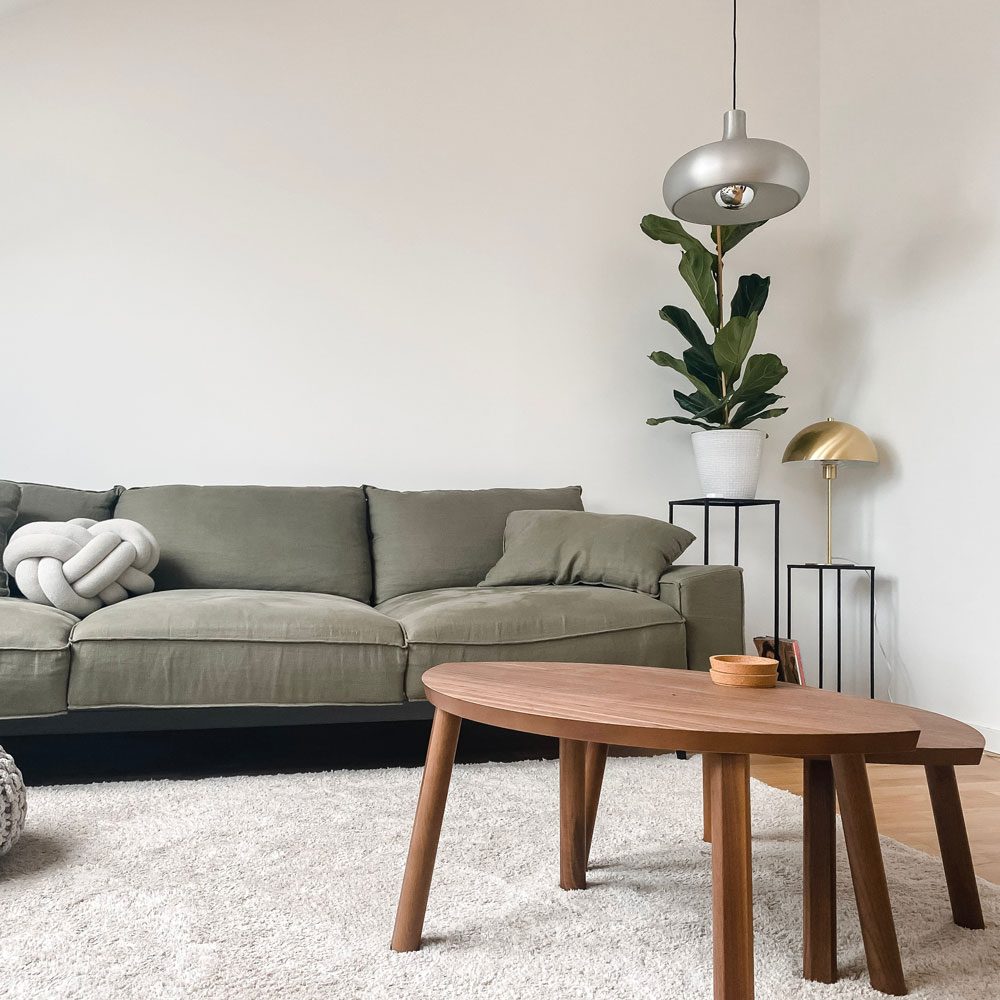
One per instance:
(736, 180)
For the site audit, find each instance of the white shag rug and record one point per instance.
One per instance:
(285, 886)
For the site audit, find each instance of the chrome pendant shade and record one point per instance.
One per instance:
(736, 180)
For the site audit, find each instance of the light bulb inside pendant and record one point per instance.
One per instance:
(734, 196)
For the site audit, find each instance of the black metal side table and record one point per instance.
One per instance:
(737, 505)
(838, 568)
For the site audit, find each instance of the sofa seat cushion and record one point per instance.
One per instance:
(195, 648)
(583, 624)
(34, 658)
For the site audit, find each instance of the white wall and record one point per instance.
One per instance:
(332, 242)
(910, 153)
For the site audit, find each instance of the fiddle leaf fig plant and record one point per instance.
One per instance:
(732, 387)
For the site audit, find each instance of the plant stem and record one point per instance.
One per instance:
(718, 288)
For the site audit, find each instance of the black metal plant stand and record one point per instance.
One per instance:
(839, 569)
(737, 505)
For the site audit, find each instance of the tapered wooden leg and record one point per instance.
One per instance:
(572, 814)
(597, 757)
(966, 908)
(732, 892)
(708, 761)
(819, 872)
(878, 930)
(426, 832)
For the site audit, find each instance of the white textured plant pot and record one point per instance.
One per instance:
(728, 462)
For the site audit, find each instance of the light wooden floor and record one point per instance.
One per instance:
(903, 807)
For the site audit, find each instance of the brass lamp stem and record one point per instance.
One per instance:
(829, 474)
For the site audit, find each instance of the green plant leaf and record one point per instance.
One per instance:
(696, 270)
(762, 373)
(683, 321)
(693, 402)
(696, 261)
(671, 231)
(733, 343)
(768, 415)
(665, 360)
(751, 294)
(702, 366)
(653, 421)
(746, 411)
(698, 357)
(696, 404)
(731, 235)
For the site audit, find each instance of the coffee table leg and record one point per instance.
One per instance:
(426, 832)
(871, 891)
(966, 908)
(732, 892)
(708, 761)
(572, 814)
(819, 872)
(597, 756)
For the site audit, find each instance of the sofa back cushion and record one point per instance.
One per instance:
(39, 502)
(446, 538)
(10, 499)
(298, 538)
(63, 503)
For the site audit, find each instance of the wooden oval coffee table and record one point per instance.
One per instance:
(944, 744)
(589, 706)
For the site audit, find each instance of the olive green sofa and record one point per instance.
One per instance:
(286, 605)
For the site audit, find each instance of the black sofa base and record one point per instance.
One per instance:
(131, 720)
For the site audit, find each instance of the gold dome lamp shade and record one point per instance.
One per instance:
(831, 442)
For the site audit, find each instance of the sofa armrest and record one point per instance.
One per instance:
(710, 600)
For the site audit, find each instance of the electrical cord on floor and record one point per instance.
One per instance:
(890, 666)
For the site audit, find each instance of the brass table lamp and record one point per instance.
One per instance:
(830, 442)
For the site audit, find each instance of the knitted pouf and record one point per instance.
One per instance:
(13, 803)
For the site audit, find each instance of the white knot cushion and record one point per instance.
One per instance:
(80, 565)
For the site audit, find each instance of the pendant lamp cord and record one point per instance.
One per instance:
(734, 55)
